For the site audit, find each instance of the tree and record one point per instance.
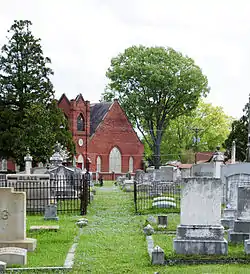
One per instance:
(239, 133)
(29, 116)
(213, 128)
(154, 86)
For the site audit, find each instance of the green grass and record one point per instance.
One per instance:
(113, 241)
(52, 247)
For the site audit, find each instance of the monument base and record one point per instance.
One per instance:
(242, 225)
(237, 237)
(200, 240)
(227, 223)
(200, 247)
(28, 243)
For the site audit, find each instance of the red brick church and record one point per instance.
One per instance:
(105, 139)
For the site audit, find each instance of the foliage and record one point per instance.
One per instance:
(238, 134)
(154, 86)
(178, 141)
(29, 116)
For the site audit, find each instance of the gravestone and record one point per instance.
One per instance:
(233, 182)
(44, 228)
(13, 220)
(203, 170)
(51, 212)
(13, 256)
(229, 170)
(200, 231)
(168, 173)
(36, 186)
(158, 256)
(241, 230)
(162, 221)
(139, 176)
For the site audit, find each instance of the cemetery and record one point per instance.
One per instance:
(199, 219)
(136, 183)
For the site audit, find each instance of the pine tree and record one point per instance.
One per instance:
(27, 109)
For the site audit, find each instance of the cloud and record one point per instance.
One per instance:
(81, 37)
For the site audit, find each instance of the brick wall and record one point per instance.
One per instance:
(115, 130)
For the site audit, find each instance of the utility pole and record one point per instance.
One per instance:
(196, 141)
(248, 141)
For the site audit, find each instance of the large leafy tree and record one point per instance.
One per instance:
(155, 85)
(179, 140)
(29, 116)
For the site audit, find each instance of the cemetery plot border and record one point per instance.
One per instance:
(158, 197)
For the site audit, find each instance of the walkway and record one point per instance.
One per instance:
(113, 241)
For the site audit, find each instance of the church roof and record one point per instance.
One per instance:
(97, 113)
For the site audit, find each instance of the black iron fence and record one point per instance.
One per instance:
(157, 197)
(71, 194)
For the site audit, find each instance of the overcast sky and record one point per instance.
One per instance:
(81, 37)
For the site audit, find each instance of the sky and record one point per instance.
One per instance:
(82, 36)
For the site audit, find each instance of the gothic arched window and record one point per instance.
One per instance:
(115, 160)
(131, 164)
(98, 164)
(80, 123)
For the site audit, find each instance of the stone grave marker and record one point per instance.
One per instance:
(36, 186)
(241, 230)
(51, 213)
(139, 176)
(200, 231)
(168, 173)
(13, 220)
(44, 228)
(158, 256)
(229, 170)
(203, 170)
(162, 221)
(232, 183)
(13, 256)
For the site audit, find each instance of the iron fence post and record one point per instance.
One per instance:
(135, 196)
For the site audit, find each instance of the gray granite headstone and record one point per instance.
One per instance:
(162, 221)
(51, 213)
(158, 256)
(241, 230)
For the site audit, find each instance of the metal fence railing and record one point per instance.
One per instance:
(70, 194)
(159, 197)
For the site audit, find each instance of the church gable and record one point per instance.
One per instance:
(116, 121)
(64, 104)
(97, 114)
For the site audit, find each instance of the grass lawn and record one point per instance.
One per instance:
(52, 247)
(113, 241)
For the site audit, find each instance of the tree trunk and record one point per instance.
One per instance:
(157, 155)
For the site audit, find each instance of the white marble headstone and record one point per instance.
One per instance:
(201, 201)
